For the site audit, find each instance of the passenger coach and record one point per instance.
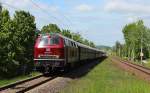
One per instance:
(54, 51)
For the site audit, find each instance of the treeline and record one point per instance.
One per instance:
(17, 38)
(53, 28)
(104, 48)
(137, 41)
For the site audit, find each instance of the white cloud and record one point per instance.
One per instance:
(84, 8)
(16, 3)
(28, 5)
(50, 15)
(122, 6)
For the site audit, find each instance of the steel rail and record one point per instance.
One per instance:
(19, 82)
(143, 69)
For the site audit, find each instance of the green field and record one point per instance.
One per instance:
(107, 78)
(12, 80)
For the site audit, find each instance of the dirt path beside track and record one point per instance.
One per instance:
(132, 70)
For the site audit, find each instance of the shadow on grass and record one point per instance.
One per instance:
(83, 69)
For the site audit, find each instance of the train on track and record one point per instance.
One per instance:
(55, 51)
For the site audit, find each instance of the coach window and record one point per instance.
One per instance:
(65, 41)
(69, 43)
(73, 44)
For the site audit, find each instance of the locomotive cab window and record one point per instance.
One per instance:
(43, 41)
(54, 40)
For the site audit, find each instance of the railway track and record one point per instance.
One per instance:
(25, 85)
(133, 65)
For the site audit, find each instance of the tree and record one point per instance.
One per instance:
(0, 9)
(77, 37)
(148, 41)
(0, 16)
(117, 48)
(4, 32)
(136, 38)
(66, 33)
(17, 38)
(86, 42)
(7, 64)
(51, 28)
(24, 37)
(92, 44)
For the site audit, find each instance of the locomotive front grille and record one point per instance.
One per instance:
(50, 60)
(48, 56)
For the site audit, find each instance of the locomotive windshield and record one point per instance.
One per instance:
(54, 40)
(43, 41)
(46, 40)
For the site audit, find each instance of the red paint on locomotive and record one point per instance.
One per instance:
(48, 48)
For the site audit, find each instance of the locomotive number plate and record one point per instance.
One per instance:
(48, 49)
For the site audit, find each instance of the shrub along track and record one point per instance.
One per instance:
(25, 85)
(138, 70)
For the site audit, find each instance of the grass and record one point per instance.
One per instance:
(107, 78)
(8, 81)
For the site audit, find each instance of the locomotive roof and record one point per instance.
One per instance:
(79, 44)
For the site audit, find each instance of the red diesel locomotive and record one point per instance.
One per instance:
(54, 51)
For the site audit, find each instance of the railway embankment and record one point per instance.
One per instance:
(108, 77)
(105, 76)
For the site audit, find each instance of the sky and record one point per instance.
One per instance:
(100, 21)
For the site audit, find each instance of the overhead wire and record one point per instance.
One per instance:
(56, 20)
(17, 9)
(46, 12)
(8, 5)
(68, 20)
(70, 23)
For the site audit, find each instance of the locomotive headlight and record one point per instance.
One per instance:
(39, 56)
(57, 56)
